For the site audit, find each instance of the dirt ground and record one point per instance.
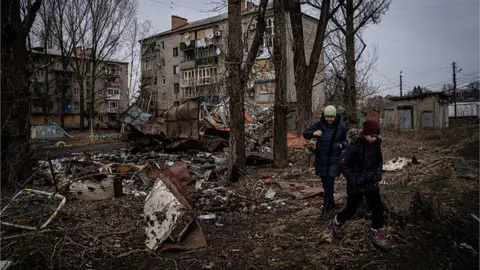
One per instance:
(428, 219)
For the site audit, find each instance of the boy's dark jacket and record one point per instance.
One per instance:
(327, 154)
(362, 162)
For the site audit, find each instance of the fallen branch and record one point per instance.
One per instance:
(27, 234)
(434, 164)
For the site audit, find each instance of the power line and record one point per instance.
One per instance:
(463, 80)
(386, 78)
(393, 86)
(474, 75)
(431, 71)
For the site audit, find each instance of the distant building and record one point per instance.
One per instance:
(189, 60)
(111, 89)
(423, 111)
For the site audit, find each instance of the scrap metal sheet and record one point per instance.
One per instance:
(180, 122)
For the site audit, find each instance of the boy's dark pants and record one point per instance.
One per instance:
(374, 200)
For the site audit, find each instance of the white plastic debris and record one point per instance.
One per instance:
(90, 190)
(396, 164)
(207, 217)
(270, 193)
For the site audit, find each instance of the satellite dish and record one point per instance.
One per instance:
(219, 51)
(209, 33)
(187, 42)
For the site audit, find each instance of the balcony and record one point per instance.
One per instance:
(112, 73)
(112, 84)
(210, 60)
(187, 65)
(59, 67)
(113, 110)
(184, 46)
(192, 82)
(68, 108)
(189, 93)
(37, 110)
(206, 81)
(112, 97)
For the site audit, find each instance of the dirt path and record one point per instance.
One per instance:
(98, 147)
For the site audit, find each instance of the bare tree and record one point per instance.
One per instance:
(236, 81)
(305, 72)
(335, 73)
(15, 90)
(109, 21)
(42, 32)
(137, 31)
(77, 28)
(280, 150)
(355, 15)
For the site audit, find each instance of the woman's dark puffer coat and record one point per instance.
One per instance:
(327, 154)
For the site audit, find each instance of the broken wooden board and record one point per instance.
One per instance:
(300, 191)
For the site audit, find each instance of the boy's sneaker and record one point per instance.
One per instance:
(336, 228)
(378, 239)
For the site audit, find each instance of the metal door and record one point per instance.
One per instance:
(388, 117)
(427, 120)
(405, 118)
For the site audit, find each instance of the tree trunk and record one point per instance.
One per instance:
(82, 104)
(45, 97)
(304, 104)
(15, 95)
(92, 93)
(351, 93)
(280, 150)
(305, 73)
(235, 83)
(62, 105)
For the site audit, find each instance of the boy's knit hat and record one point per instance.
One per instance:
(330, 111)
(371, 127)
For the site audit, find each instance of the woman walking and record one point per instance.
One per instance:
(331, 136)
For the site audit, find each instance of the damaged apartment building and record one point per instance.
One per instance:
(111, 88)
(188, 61)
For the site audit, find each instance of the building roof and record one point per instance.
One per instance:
(421, 96)
(193, 24)
(211, 20)
(56, 52)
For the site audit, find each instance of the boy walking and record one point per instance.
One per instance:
(361, 164)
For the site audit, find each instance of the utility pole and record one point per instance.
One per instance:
(454, 67)
(401, 81)
(454, 75)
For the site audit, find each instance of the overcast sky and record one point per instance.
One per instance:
(420, 37)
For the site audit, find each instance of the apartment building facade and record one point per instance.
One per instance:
(111, 89)
(189, 60)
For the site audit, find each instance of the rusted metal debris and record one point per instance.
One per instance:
(180, 122)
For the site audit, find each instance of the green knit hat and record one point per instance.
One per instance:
(330, 111)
